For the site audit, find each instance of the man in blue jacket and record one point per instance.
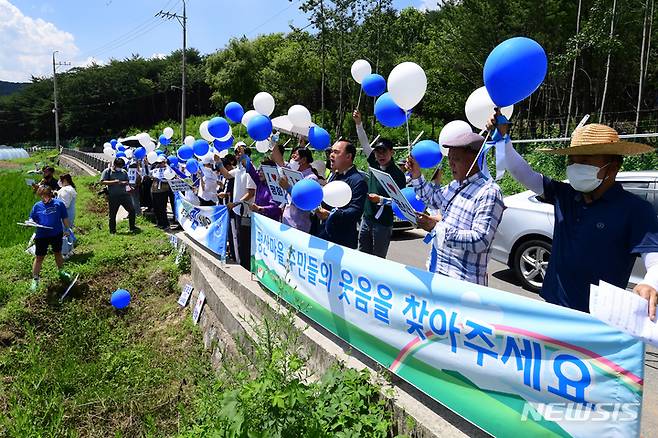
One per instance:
(340, 224)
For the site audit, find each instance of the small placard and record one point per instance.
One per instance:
(178, 185)
(185, 295)
(173, 239)
(198, 306)
(132, 176)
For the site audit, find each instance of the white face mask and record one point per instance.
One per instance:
(584, 178)
(294, 165)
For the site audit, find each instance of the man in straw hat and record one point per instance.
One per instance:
(599, 227)
(471, 208)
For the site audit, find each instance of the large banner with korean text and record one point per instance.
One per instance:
(206, 225)
(508, 364)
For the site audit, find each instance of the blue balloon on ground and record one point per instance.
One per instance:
(222, 145)
(427, 153)
(200, 148)
(113, 142)
(319, 138)
(163, 140)
(173, 160)
(307, 194)
(374, 85)
(218, 127)
(120, 155)
(234, 112)
(416, 203)
(388, 113)
(514, 70)
(185, 152)
(120, 299)
(140, 153)
(121, 148)
(259, 128)
(192, 165)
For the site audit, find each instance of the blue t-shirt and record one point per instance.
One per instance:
(49, 215)
(596, 241)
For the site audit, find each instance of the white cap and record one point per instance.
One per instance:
(240, 143)
(207, 159)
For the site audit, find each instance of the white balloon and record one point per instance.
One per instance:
(107, 145)
(203, 130)
(223, 153)
(407, 84)
(453, 130)
(169, 173)
(152, 156)
(479, 108)
(150, 147)
(189, 140)
(227, 136)
(360, 69)
(337, 194)
(264, 103)
(300, 116)
(168, 132)
(129, 153)
(248, 116)
(144, 138)
(109, 151)
(263, 146)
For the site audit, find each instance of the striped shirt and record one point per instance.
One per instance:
(461, 241)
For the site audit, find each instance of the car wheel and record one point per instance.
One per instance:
(530, 263)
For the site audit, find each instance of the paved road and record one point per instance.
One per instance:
(408, 248)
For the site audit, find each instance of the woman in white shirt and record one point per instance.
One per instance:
(68, 195)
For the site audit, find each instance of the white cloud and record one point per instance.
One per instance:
(28, 44)
(429, 5)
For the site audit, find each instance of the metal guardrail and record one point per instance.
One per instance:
(91, 160)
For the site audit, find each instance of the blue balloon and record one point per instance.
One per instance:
(113, 142)
(164, 140)
(200, 148)
(388, 113)
(416, 203)
(234, 112)
(120, 299)
(319, 138)
(160, 152)
(307, 194)
(222, 145)
(218, 127)
(185, 152)
(121, 148)
(259, 128)
(140, 153)
(427, 153)
(374, 85)
(120, 155)
(514, 70)
(192, 165)
(173, 160)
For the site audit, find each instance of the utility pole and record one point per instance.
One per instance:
(182, 19)
(55, 109)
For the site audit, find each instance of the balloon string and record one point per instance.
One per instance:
(358, 103)
(408, 137)
(478, 155)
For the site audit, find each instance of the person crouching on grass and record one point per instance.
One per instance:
(49, 212)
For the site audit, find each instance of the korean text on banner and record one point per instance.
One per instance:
(206, 225)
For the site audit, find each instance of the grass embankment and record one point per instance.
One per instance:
(80, 368)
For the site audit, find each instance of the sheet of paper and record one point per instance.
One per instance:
(623, 310)
(272, 178)
(185, 295)
(29, 181)
(394, 192)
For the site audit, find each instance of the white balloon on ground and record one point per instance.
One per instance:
(451, 131)
(337, 194)
(360, 69)
(407, 85)
(168, 132)
(264, 103)
(263, 146)
(150, 147)
(143, 138)
(248, 116)
(300, 116)
(227, 136)
(169, 173)
(203, 130)
(189, 140)
(479, 108)
(152, 156)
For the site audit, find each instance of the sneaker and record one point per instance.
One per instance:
(35, 285)
(65, 276)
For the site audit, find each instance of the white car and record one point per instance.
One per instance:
(525, 234)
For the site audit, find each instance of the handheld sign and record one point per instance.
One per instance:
(272, 178)
(179, 185)
(394, 192)
(294, 176)
(132, 176)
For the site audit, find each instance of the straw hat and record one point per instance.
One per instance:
(597, 139)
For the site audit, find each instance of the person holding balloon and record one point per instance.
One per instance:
(377, 222)
(471, 208)
(160, 192)
(116, 180)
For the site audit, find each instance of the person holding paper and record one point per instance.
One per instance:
(600, 228)
(51, 213)
(377, 222)
(208, 182)
(48, 179)
(339, 224)
(116, 180)
(470, 209)
(263, 203)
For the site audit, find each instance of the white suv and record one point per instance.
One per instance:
(525, 234)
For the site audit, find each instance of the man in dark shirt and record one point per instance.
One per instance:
(377, 223)
(48, 180)
(339, 224)
(116, 180)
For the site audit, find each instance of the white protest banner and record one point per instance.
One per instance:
(196, 314)
(179, 185)
(185, 295)
(272, 178)
(394, 192)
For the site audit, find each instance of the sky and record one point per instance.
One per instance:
(86, 31)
